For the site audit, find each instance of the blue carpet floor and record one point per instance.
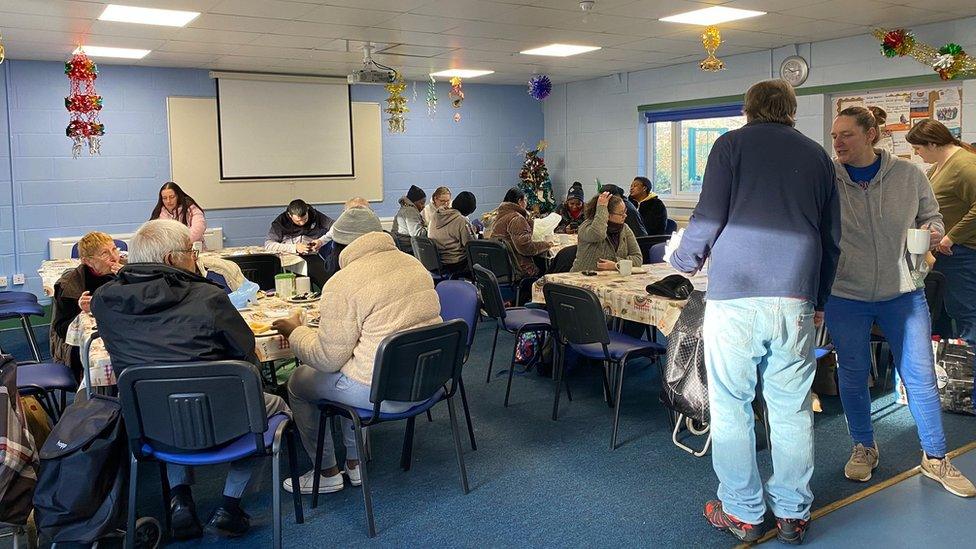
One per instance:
(541, 483)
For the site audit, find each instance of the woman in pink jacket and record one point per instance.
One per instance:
(175, 204)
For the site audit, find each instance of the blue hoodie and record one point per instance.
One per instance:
(768, 216)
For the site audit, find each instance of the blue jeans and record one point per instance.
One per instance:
(307, 386)
(960, 299)
(906, 323)
(773, 338)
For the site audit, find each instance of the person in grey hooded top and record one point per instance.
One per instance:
(882, 197)
(450, 231)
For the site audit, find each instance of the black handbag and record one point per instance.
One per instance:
(684, 385)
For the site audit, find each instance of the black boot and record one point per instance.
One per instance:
(230, 523)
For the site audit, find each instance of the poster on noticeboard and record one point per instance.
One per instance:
(905, 108)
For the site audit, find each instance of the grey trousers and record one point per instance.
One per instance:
(241, 471)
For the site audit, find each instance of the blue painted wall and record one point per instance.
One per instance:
(52, 194)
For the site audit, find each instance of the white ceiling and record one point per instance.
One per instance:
(422, 36)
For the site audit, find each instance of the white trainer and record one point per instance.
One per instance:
(327, 485)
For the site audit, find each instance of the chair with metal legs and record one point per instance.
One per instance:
(422, 365)
(22, 305)
(514, 320)
(579, 322)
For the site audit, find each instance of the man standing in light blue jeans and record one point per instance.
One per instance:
(768, 219)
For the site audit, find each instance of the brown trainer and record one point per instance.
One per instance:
(945, 473)
(863, 461)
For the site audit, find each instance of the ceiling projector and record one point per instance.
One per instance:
(372, 72)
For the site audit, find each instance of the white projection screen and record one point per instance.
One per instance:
(283, 127)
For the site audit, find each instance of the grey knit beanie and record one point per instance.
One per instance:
(354, 223)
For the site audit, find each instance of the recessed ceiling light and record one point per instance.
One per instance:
(560, 50)
(100, 51)
(461, 73)
(147, 16)
(711, 16)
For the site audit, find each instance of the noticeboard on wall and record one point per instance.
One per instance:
(905, 108)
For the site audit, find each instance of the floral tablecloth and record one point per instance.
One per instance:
(51, 270)
(626, 297)
(268, 346)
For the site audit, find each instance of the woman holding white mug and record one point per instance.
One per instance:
(605, 238)
(882, 197)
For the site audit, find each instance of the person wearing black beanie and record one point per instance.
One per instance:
(408, 222)
(571, 210)
(450, 231)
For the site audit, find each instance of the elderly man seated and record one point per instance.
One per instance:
(160, 311)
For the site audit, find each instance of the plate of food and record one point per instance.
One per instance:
(307, 297)
(261, 328)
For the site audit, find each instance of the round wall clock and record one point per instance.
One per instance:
(794, 70)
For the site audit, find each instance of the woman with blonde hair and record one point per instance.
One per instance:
(440, 199)
(882, 197)
(953, 178)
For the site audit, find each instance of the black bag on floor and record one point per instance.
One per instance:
(684, 387)
(81, 489)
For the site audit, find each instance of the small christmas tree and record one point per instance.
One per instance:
(535, 182)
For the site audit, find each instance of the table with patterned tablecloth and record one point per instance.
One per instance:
(626, 297)
(51, 270)
(269, 346)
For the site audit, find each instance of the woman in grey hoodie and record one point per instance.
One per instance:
(882, 196)
(450, 231)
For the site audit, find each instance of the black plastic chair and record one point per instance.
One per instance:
(120, 244)
(259, 268)
(493, 255)
(645, 243)
(202, 413)
(425, 250)
(563, 262)
(421, 365)
(671, 227)
(514, 320)
(402, 242)
(578, 321)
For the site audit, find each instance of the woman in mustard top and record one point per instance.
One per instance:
(953, 177)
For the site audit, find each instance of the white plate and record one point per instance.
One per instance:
(309, 300)
(638, 271)
(276, 313)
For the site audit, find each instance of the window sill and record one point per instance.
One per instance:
(688, 203)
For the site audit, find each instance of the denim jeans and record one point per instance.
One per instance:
(307, 386)
(960, 299)
(906, 324)
(769, 338)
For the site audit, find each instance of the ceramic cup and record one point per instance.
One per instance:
(303, 285)
(918, 241)
(625, 267)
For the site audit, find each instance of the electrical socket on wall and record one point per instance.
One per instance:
(3, 282)
(19, 279)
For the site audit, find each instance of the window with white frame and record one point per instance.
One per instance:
(678, 144)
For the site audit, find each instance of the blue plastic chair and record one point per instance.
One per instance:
(42, 379)
(120, 244)
(578, 321)
(22, 305)
(219, 279)
(459, 300)
(421, 365)
(202, 413)
(656, 253)
(514, 320)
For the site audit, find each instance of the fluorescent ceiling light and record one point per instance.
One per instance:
(100, 51)
(560, 50)
(711, 16)
(147, 16)
(461, 73)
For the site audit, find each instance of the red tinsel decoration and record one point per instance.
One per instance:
(83, 104)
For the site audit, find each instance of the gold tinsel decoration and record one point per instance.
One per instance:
(2, 51)
(711, 40)
(397, 105)
(948, 61)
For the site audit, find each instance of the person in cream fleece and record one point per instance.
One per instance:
(881, 197)
(358, 309)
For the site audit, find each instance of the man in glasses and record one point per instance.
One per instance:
(160, 311)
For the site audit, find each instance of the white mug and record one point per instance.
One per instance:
(625, 267)
(918, 241)
(303, 285)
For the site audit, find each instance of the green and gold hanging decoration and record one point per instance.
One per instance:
(431, 96)
(397, 105)
(948, 61)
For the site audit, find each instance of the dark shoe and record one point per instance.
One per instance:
(718, 518)
(230, 523)
(791, 531)
(183, 521)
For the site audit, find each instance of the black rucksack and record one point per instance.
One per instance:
(684, 384)
(81, 488)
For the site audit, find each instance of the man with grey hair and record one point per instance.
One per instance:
(769, 218)
(160, 311)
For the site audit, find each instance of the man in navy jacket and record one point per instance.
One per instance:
(768, 218)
